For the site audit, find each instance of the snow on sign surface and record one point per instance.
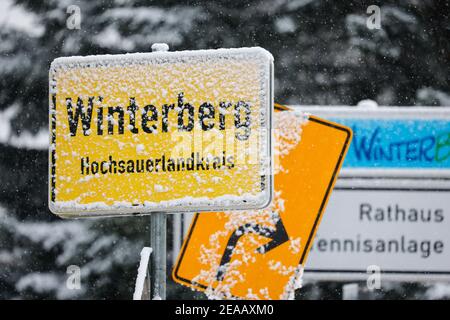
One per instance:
(260, 254)
(161, 131)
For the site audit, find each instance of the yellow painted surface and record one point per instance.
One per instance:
(226, 80)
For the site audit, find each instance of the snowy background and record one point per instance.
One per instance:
(324, 54)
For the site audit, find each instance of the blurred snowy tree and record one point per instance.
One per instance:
(324, 54)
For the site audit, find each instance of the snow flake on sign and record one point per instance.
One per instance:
(140, 148)
(280, 268)
(295, 282)
(287, 136)
(160, 47)
(294, 245)
(160, 188)
(287, 131)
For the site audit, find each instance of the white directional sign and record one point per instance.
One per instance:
(403, 233)
(390, 210)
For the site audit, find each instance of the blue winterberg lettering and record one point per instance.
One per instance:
(391, 144)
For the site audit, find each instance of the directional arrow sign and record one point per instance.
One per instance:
(278, 236)
(260, 254)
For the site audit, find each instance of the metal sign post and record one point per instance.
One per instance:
(158, 258)
(158, 229)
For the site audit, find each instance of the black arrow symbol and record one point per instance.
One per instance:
(278, 236)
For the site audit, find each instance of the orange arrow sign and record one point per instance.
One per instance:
(278, 236)
(260, 254)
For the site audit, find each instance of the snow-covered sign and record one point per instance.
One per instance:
(161, 131)
(390, 211)
(260, 254)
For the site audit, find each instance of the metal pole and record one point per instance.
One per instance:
(187, 219)
(158, 227)
(176, 235)
(350, 291)
(158, 224)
